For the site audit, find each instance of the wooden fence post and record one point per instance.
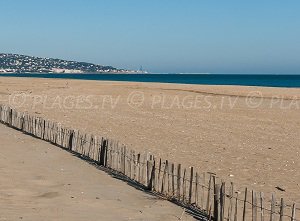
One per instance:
(293, 213)
(254, 206)
(203, 192)
(124, 160)
(222, 201)
(158, 178)
(164, 177)
(135, 166)
(261, 206)
(216, 201)
(281, 209)
(173, 179)
(245, 203)
(178, 181)
(103, 152)
(236, 208)
(151, 185)
(230, 202)
(196, 189)
(191, 185)
(272, 211)
(208, 194)
(131, 165)
(148, 173)
(139, 167)
(184, 186)
(168, 180)
(70, 143)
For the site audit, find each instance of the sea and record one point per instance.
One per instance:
(265, 80)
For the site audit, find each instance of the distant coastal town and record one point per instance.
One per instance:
(15, 63)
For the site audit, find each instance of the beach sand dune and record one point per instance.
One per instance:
(247, 135)
(40, 181)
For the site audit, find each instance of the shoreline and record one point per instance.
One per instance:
(126, 77)
(288, 93)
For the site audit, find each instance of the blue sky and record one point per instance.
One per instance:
(232, 36)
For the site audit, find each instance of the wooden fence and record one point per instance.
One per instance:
(202, 192)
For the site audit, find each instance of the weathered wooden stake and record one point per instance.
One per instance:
(230, 202)
(244, 208)
(148, 173)
(203, 192)
(184, 185)
(222, 201)
(272, 208)
(124, 160)
(208, 194)
(216, 200)
(281, 209)
(139, 167)
(178, 181)
(261, 206)
(196, 189)
(191, 185)
(254, 206)
(173, 180)
(152, 178)
(158, 180)
(164, 177)
(236, 208)
(293, 213)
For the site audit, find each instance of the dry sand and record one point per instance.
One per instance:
(253, 142)
(40, 181)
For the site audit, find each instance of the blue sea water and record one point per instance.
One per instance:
(207, 79)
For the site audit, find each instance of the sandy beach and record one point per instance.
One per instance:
(247, 135)
(40, 181)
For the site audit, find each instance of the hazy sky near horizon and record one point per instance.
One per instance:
(232, 36)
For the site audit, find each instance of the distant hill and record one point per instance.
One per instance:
(15, 63)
